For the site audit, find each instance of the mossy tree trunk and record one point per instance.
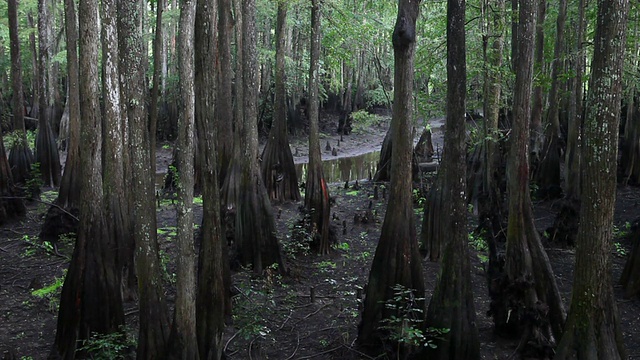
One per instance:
(212, 293)
(91, 301)
(182, 343)
(528, 284)
(316, 195)
(397, 260)
(538, 98)
(278, 171)
(451, 305)
(154, 321)
(593, 326)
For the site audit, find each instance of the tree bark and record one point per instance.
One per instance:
(255, 239)
(593, 327)
(155, 87)
(46, 147)
(154, 322)
(451, 306)
(182, 343)
(90, 300)
(20, 156)
(224, 105)
(527, 266)
(548, 177)
(316, 195)
(212, 294)
(278, 171)
(397, 260)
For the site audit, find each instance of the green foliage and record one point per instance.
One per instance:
(404, 326)
(344, 246)
(51, 292)
(32, 244)
(117, 345)
(477, 242)
(363, 120)
(18, 136)
(377, 97)
(164, 264)
(34, 183)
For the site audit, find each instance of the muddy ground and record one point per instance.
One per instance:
(274, 316)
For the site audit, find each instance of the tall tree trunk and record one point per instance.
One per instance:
(316, 195)
(451, 306)
(548, 176)
(20, 156)
(538, 103)
(256, 242)
(46, 149)
(182, 343)
(527, 266)
(12, 207)
(397, 260)
(278, 171)
(212, 296)
(59, 222)
(90, 300)
(155, 87)
(224, 105)
(593, 326)
(154, 322)
(572, 155)
(114, 184)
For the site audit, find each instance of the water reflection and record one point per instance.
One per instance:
(345, 168)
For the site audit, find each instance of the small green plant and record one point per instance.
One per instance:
(117, 345)
(166, 146)
(619, 233)
(418, 198)
(477, 242)
(34, 183)
(404, 326)
(326, 265)
(352, 192)
(67, 239)
(620, 250)
(32, 246)
(342, 246)
(164, 263)
(51, 292)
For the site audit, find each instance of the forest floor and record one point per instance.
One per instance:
(274, 315)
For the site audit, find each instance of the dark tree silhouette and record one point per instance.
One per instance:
(593, 327)
(451, 306)
(316, 195)
(397, 260)
(278, 170)
(91, 299)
